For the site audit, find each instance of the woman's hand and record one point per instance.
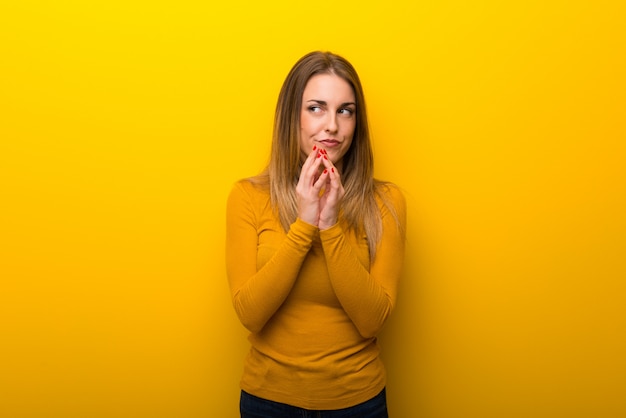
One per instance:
(309, 187)
(319, 194)
(330, 201)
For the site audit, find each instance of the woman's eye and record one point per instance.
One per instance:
(315, 109)
(346, 111)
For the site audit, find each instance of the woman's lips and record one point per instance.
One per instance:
(330, 143)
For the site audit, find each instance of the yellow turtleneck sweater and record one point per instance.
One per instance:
(312, 301)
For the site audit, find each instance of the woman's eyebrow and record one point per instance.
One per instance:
(323, 102)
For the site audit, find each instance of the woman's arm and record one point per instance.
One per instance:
(257, 295)
(368, 297)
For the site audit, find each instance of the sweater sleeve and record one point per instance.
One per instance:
(368, 297)
(256, 295)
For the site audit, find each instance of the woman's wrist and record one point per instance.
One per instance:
(326, 224)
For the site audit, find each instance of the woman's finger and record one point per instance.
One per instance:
(334, 176)
(310, 168)
(321, 181)
(309, 159)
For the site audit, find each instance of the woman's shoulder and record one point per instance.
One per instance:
(256, 187)
(387, 191)
(259, 182)
(392, 203)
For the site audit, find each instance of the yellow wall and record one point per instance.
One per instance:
(124, 123)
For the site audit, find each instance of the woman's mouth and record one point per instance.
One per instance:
(330, 143)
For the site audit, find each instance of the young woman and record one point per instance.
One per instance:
(314, 251)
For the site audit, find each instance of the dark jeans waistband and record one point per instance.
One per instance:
(254, 407)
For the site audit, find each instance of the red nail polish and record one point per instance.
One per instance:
(314, 147)
(319, 154)
(332, 169)
(325, 171)
(325, 157)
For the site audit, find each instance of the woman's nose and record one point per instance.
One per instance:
(331, 123)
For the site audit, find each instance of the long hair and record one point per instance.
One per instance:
(358, 209)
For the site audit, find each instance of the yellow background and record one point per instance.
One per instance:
(124, 123)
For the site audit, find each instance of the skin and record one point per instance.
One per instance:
(327, 123)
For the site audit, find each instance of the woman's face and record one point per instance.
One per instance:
(327, 117)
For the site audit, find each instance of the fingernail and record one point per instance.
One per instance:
(319, 154)
(325, 171)
(325, 157)
(333, 169)
(314, 147)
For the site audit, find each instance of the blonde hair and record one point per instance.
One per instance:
(359, 208)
